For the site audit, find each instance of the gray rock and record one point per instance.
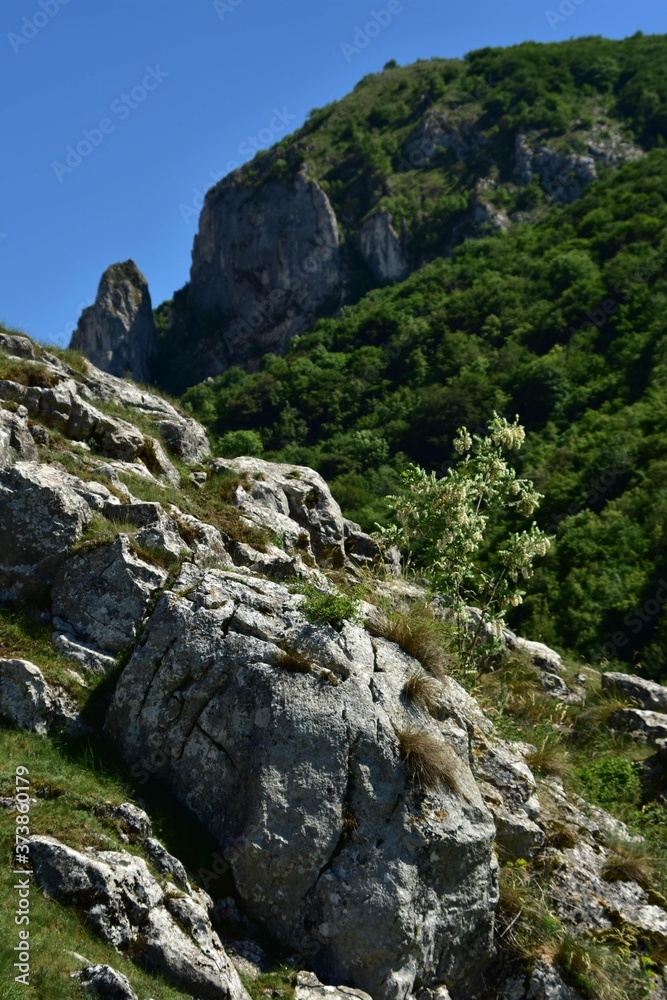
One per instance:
(166, 863)
(105, 592)
(649, 726)
(381, 248)
(185, 437)
(29, 702)
(133, 820)
(88, 657)
(16, 442)
(308, 987)
(546, 984)
(168, 933)
(268, 258)
(508, 788)
(118, 332)
(295, 504)
(105, 983)
(361, 853)
(17, 345)
(43, 511)
(651, 695)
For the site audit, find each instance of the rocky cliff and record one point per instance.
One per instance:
(117, 333)
(358, 800)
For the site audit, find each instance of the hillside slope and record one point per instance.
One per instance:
(562, 322)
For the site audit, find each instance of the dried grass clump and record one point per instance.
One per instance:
(419, 634)
(422, 691)
(550, 758)
(432, 762)
(292, 659)
(629, 862)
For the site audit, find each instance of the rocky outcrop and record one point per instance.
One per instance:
(650, 695)
(166, 930)
(332, 845)
(381, 248)
(295, 505)
(308, 987)
(27, 701)
(16, 442)
(565, 168)
(117, 333)
(266, 260)
(105, 593)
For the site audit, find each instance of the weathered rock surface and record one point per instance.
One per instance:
(105, 593)
(308, 987)
(118, 331)
(381, 248)
(268, 259)
(167, 931)
(16, 442)
(650, 726)
(29, 702)
(564, 173)
(295, 504)
(509, 789)
(332, 846)
(651, 695)
(105, 983)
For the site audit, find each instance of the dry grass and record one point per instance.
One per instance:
(561, 837)
(630, 862)
(419, 634)
(550, 758)
(422, 691)
(431, 761)
(292, 659)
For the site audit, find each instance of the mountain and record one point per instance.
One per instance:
(411, 163)
(240, 756)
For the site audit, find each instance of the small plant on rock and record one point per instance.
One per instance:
(432, 762)
(329, 607)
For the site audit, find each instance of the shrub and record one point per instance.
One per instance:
(611, 780)
(329, 607)
(451, 518)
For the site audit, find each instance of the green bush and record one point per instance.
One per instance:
(332, 607)
(611, 780)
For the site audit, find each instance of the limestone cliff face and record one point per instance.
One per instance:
(268, 259)
(381, 248)
(117, 333)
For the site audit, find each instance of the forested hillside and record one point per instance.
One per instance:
(562, 322)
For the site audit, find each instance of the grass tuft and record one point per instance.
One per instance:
(422, 691)
(419, 634)
(432, 762)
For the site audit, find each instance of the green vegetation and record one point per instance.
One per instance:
(328, 607)
(561, 322)
(450, 518)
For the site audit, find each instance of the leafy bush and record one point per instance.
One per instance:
(611, 780)
(331, 607)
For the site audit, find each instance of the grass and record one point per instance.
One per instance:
(550, 757)
(422, 691)
(73, 359)
(432, 762)
(293, 660)
(598, 972)
(631, 862)
(24, 637)
(25, 372)
(69, 794)
(276, 985)
(419, 633)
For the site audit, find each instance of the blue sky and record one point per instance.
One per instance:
(167, 95)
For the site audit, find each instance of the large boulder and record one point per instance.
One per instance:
(167, 931)
(118, 331)
(43, 511)
(282, 738)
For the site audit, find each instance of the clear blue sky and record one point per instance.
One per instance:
(222, 78)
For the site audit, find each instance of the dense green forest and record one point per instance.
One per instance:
(562, 322)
